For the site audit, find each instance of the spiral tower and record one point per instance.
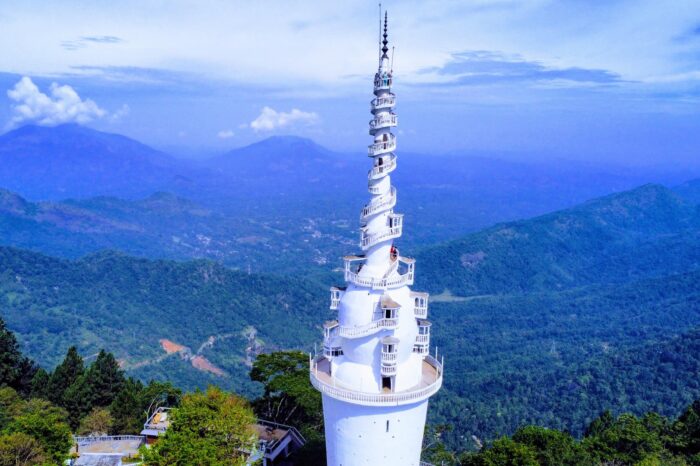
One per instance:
(376, 374)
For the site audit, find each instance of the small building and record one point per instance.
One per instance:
(156, 425)
(277, 441)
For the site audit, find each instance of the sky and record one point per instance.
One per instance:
(601, 81)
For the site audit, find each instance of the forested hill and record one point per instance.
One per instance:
(646, 232)
(127, 305)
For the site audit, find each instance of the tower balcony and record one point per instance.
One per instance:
(383, 102)
(382, 166)
(385, 318)
(382, 147)
(420, 304)
(430, 383)
(422, 343)
(390, 346)
(379, 204)
(330, 330)
(331, 348)
(382, 121)
(367, 241)
(336, 294)
(404, 266)
(382, 81)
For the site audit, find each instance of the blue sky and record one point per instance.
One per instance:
(615, 81)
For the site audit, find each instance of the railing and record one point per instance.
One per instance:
(381, 170)
(389, 357)
(388, 370)
(382, 82)
(106, 438)
(382, 147)
(384, 101)
(374, 188)
(386, 281)
(379, 204)
(382, 121)
(377, 399)
(368, 329)
(423, 339)
(370, 240)
(420, 306)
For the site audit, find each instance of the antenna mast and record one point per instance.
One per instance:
(379, 37)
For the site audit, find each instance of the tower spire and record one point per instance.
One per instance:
(385, 49)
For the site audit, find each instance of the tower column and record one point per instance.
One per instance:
(376, 374)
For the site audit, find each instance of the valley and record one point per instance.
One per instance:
(538, 297)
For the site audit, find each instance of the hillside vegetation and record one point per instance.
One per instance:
(128, 305)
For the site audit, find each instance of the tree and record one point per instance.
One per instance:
(127, 410)
(105, 378)
(16, 371)
(289, 397)
(627, 440)
(687, 431)
(207, 429)
(97, 422)
(65, 375)
(47, 424)
(78, 400)
(552, 447)
(40, 384)
(20, 449)
(506, 452)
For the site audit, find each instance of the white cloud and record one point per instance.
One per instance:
(225, 134)
(64, 105)
(270, 119)
(123, 111)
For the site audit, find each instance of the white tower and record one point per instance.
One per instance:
(376, 374)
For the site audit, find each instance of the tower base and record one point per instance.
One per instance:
(370, 435)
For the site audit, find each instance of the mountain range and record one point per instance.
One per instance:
(531, 314)
(83, 190)
(588, 304)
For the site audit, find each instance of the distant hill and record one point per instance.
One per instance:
(689, 190)
(293, 181)
(645, 232)
(164, 225)
(127, 305)
(74, 161)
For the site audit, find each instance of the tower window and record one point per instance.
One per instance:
(387, 425)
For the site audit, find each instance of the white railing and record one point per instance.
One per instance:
(379, 204)
(382, 121)
(381, 283)
(420, 304)
(388, 370)
(389, 358)
(388, 280)
(384, 101)
(377, 399)
(106, 438)
(381, 170)
(423, 339)
(382, 147)
(336, 294)
(368, 329)
(370, 240)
